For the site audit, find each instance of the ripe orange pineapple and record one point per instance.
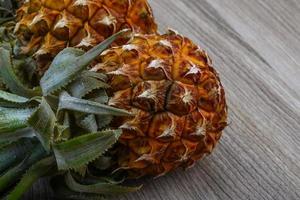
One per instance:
(45, 27)
(177, 98)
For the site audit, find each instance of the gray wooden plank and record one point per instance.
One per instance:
(255, 46)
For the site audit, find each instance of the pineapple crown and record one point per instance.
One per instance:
(58, 127)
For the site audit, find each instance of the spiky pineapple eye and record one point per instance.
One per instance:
(79, 9)
(130, 55)
(162, 50)
(150, 96)
(182, 99)
(155, 69)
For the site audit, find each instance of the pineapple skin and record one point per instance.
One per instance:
(45, 27)
(177, 99)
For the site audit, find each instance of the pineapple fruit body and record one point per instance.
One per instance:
(177, 99)
(45, 27)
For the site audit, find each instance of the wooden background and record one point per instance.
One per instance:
(255, 45)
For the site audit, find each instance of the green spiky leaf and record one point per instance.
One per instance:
(85, 84)
(43, 122)
(68, 63)
(102, 187)
(10, 79)
(14, 152)
(11, 100)
(16, 135)
(62, 70)
(80, 151)
(37, 170)
(66, 102)
(12, 175)
(12, 119)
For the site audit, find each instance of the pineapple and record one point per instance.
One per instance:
(154, 104)
(45, 27)
(177, 99)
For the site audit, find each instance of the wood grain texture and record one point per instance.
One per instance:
(255, 46)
